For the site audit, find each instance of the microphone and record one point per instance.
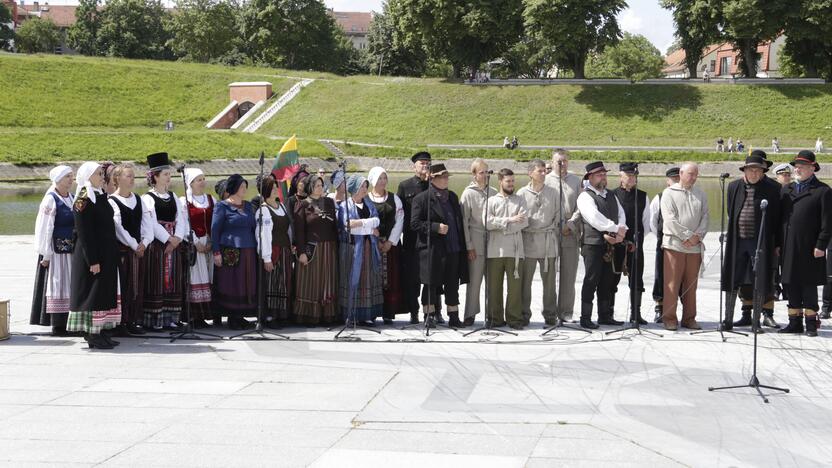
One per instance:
(560, 163)
(180, 168)
(724, 175)
(262, 157)
(490, 172)
(763, 205)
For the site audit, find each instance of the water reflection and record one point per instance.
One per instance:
(19, 203)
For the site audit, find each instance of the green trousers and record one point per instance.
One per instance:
(499, 269)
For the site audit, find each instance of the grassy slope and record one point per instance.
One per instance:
(417, 112)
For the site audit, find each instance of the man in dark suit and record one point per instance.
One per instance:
(408, 189)
(744, 218)
(807, 229)
(436, 220)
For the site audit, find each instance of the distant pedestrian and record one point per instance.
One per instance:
(819, 146)
(730, 144)
(775, 145)
(720, 145)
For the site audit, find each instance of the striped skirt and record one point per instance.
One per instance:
(368, 299)
(317, 287)
(199, 292)
(278, 284)
(235, 287)
(131, 270)
(163, 287)
(391, 282)
(50, 300)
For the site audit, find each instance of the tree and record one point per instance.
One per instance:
(203, 30)
(464, 32)
(347, 59)
(527, 58)
(808, 49)
(747, 23)
(696, 28)
(634, 58)
(83, 35)
(6, 32)
(37, 35)
(295, 34)
(133, 29)
(387, 50)
(574, 28)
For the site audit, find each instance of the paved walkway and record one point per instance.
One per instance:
(392, 400)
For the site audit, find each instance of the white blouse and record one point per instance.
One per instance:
(265, 247)
(396, 232)
(159, 231)
(122, 235)
(45, 223)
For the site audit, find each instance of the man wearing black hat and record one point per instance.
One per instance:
(603, 220)
(408, 189)
(807, 229)
(657, 226)
(745, 196)
(637, 214)
(443, 262)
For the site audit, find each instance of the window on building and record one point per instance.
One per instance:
(713, 66)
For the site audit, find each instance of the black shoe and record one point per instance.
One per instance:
(234, 324)
(98, 342)
(60, 332)
(388, 321)
(824, 313)
(135, 329)
(516, 326)
(795, 325)
(768, 319)
(121, 331)
(430, 321)
(217, 321)
(414, 318)
(199, 323)
(726, 326)
(811, 325)
(453, 320)
(745, 321)
(659, 311)
(609, 321)
(587, 323)
(438, 317)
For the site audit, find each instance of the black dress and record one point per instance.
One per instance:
(94, 297)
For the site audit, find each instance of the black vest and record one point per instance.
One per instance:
(165, 209)
(628, 202)
(387, 215)
(607, 207)
(131, 219)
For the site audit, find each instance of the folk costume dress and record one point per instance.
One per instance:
(391, 217)
(54, 241)
(200, 214)
(276, 247)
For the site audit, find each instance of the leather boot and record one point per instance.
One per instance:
(635, 313)
(795, 322)
(659, 311)
(768, 319)
(728, 320)
(98, 342)
(414, 318)
(453, 320)
(605, 314)
(586, 316)
(745, 321)
(825, 311)
(812, 325)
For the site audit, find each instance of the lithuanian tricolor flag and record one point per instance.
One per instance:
(286, 165)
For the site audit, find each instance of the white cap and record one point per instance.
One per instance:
(785, 167)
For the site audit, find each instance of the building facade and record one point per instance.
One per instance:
(720, 61)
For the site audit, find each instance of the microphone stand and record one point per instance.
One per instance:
(188, 331)
(559, 322)
(635, 296)
(259, 332)
(760, 279)
(487, 327)
(719, 328)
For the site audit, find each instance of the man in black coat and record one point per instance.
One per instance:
(408, 189)
(807, 229)
(436, 220)
(744, 211)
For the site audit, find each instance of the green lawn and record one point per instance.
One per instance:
(419, 112)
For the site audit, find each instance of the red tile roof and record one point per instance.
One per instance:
(62, 15)
(353, 22)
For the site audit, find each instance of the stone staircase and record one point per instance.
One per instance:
(280, 103)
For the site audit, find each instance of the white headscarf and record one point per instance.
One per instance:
(82, 178)
(56, 174)
(191, 173)
(374, 175)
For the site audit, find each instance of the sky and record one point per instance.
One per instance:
(643, 17)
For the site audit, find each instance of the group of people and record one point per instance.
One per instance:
(730, 147)
(115, 263)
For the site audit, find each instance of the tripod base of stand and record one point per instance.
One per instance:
(490, 331)
(259, 334)
(634, 326)
(354, 327)
(756, 385)
(189, 334)
(721, 332)
(562, 324)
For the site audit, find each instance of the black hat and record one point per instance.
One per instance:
(806, 157)
(672, 172)
(755, 161)
(628, 167)
(593, 167)
(420, 156)
(762, 154)
(438, 170)
(233, 183)
(158, 161)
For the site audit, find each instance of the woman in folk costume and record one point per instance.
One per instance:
(165, 279)
(391, 216)
(361, 292)
(316, 236)
(94, 297)
(200, 206)
(297, 189)
(338, 181)
(276, 252)
(235, 255)
(134, 232)
(54, 241)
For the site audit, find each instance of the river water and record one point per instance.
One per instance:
(19, 202)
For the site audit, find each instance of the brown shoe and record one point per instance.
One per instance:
(692, 325)
(671, 326)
